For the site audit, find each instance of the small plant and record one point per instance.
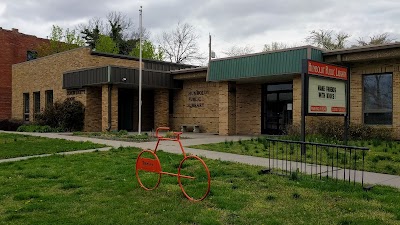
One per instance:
(122, 133)
(296, 195)
(295, 175)
(240, 142)
(270, 197)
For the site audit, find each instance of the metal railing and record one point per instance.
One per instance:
(338, 162)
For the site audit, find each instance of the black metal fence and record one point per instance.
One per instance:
(338, 162)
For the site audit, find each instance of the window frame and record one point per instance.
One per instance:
(47, 102)
(364, 111)
(36, 99)
(26, 106)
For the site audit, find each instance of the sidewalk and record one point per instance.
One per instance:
(195, 139)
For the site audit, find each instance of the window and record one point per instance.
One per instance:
(378, 99)
(36, 102)
(171, 101)
(26, 106)
(31, 55)
(49, 98)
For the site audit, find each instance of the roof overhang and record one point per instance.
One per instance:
(121, 76)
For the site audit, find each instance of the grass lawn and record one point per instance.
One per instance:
(383, 157)
(101, 188)
(122, 135)
(16, 145)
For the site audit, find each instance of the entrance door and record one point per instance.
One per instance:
(125, 109)
(277, 106)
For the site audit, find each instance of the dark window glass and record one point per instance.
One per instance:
(49, 98)
(26, 106)
(279, 87)
(36, 102)
(171, 102)
(378, 99)
(31, 55)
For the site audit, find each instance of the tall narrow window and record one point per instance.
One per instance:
(171, 101)
(49, 98)
(26, 106)
(36, 102)
(378, 99)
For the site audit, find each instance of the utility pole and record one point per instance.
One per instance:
(140, 71)
(209, 49)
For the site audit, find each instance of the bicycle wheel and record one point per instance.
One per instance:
(148, 170)
(194, 178)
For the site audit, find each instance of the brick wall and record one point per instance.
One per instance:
(49, 71)
(14, 47)
(248, 108)
(93, 111)
(196, 103)
(161, 108)
(360, 69)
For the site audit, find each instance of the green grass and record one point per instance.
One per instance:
(101, 188)
(16, 145)
(117, 135)
(383, 157)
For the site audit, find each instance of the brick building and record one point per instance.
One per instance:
(15, 48)
(250, 94)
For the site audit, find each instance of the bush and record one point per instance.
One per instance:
(35, 128)
(10, 125)
(68, 115)
(331, 130)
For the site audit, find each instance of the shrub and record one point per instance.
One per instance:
(332, 131)
(35, 128)
(10, 125)
(68, 115)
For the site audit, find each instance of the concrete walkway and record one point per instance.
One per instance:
(195, 139)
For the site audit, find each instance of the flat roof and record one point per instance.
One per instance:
(362, 49)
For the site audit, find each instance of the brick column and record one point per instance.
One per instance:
(161, 108)
(227, 108)
(105, 109)
(296, 100)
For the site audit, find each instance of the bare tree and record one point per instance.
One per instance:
(275, 46)
(376, 40)
(327, 39)
(237, 50)
(180, 45)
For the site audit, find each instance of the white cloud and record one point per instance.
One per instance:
(231, 22)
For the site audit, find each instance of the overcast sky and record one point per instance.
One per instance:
(231, 22)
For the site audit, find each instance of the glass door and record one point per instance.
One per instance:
(277, 106)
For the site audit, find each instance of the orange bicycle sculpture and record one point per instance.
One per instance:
(193, 175)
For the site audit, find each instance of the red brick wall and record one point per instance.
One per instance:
(13, 48)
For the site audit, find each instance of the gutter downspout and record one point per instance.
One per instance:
(109, 97)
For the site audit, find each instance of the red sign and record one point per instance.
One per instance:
(318, 108)
(338, 109)
(149, 165)
(326, 70)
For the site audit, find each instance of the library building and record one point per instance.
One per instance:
(259, 93)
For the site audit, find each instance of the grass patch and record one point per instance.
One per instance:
(101, 187)
(16, 145)
(123, 135)
(383, 157)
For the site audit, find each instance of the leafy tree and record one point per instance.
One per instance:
(149, 51)
(118, 27)
(106, 44)
(91, 31)
(376, 40)
(60, 41)
(237, 50)
(327, 39)
(180, 45)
